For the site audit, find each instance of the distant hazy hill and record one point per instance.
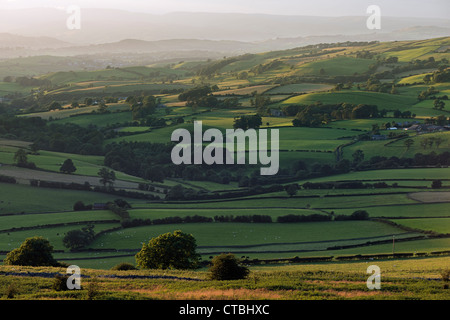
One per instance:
(8, 40)
(107, 25)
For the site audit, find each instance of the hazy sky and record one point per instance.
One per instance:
(398, 8)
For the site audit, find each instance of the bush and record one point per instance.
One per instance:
(60, 282)
(360, 215)
(123, 267)
(437, 184)
(227, 267)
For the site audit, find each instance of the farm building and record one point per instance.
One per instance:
(276, 113)
(425, 128)
(99, 206)
(379, 137)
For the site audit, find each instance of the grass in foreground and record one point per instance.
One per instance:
(400, 279)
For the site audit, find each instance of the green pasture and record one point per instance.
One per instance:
(428, 211)
(298, 88)
(350, 201)
(246, 234)
(41, 219)
(100, 120)
(382, 100)
(335, 66)
(389, 174)
(440, 225)
(15, 198)
(12, 240)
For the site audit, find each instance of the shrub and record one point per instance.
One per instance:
(227, 267)
(437, 184)
(123, 266)
(11, 291)
(60, 282)
(359, 215)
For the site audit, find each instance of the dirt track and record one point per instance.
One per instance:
(430, 197)
(24, 175)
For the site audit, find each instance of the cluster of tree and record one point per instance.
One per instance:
(356, 215)
(405, 114)
(213, 67)
(295, 218)
(256, 218)
(425, 94)
(438, 104)
(428, 142)
(415, 64)
(442, 75)
(272, 65)
(387, 60)
(80, 206)
(77, 239)
(260, 102)
(374, 84)
(142, 159)
(29, 82)
(317, 114)
(364, 54)
(247, 122)
(107, 177)
(343, 185)
(187, 219)
(440, 120)
(119, 208)
(142, 106)
(201, 96)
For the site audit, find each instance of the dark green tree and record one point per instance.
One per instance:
(20, 157)
(76, 239)
(68, 167)
(358, 157)
(107, 177)
(175, 250)
(436, 184)
(35, 251)
(292, 190)
(408, 143)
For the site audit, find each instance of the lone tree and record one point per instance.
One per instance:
(35, 251)
(358, 156)
(20, 157)
(292, 190)
(408, 143)
(175, 250)
(107, 177)
(436, 184)
(227, 267)
(68, 167)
